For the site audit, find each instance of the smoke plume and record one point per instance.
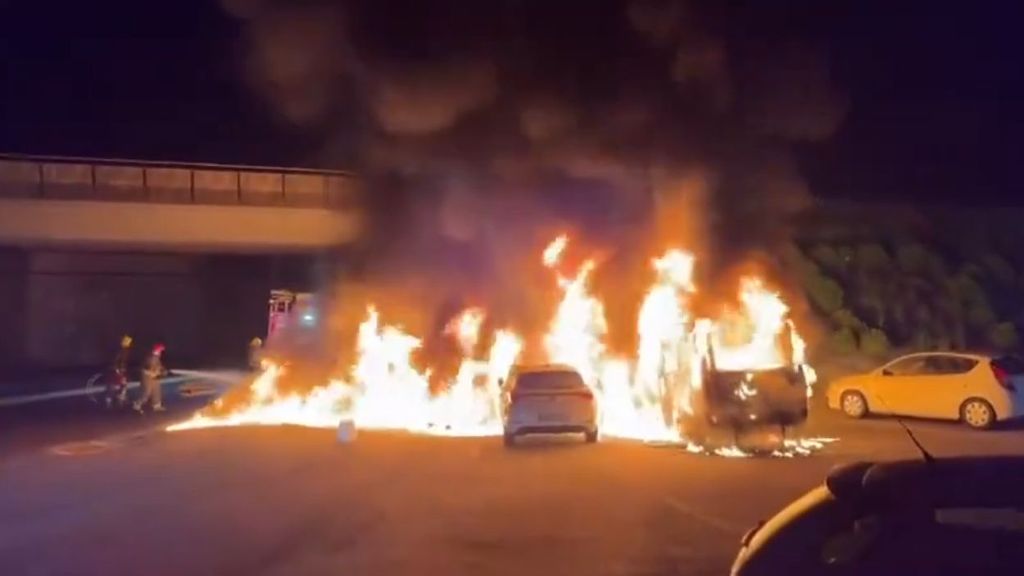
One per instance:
(481, 127)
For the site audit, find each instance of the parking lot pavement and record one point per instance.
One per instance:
(883, 437)
(287, 500)
(292, 501)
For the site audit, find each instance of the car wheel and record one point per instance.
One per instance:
(853, 404)
(510, 439)
(694, 429)
(977, 414)
(591, 436)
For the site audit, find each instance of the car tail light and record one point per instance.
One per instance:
(584, 393)
(1003, 377)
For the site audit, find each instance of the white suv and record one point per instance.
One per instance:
(548, 400)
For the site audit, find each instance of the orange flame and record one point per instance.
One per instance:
(553, 253)
(578, 328)
(466, 328)
(749, 338)
(642, 398)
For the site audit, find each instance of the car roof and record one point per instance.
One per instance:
(535, 368)
(982, 481)
(977, 357)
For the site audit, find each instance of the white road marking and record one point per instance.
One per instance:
(85, 448)
(712, 521)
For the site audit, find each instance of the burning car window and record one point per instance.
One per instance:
(538, 381)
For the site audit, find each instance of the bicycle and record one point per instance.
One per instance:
(107, 388)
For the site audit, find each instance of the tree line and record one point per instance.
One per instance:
(909, 294)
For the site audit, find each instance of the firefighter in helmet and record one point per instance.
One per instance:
(117, 379)
(255, 353)
(152, 370)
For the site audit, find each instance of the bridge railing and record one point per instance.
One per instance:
(67, 178)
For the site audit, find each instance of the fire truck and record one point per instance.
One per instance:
(290, 313)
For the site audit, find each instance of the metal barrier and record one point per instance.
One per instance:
(67, 178)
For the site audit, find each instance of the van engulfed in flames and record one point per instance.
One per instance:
(743, 368)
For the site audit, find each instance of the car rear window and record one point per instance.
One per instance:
(1009, 364)
(551, 380)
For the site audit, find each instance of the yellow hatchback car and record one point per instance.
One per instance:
(975, 389)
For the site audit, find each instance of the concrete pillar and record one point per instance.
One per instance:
(79, 304)
(14, 299)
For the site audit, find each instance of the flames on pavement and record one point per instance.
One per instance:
(385, 389)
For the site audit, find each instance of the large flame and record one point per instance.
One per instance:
(748, 338)
(640, 398)
(579, 327)
(665, 350)
(385, 390)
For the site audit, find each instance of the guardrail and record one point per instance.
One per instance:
(68, 178)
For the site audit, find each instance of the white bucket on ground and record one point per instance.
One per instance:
(346, 431)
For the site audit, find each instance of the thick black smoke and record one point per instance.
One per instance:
(480, 126)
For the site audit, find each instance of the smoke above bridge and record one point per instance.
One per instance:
(481, 128)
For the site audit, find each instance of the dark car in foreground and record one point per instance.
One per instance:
(919, 517)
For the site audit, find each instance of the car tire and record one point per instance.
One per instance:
(591, 436)
(693, 429)
(977, 414)
(509, 439)
(853, 404)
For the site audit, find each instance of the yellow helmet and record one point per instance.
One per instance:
(257, 341)
(126, 341)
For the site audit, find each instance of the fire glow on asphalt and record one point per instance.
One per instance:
(386, 390)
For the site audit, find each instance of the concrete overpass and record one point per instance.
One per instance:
(183, 253)
(114, 204)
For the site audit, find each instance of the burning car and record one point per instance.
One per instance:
(755, 404)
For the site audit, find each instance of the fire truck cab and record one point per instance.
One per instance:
(289, 312)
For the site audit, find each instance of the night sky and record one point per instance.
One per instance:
(935, 104)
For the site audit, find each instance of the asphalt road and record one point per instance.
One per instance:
(36, 425)
(276, 501)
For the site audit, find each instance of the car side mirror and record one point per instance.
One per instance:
(886, 372)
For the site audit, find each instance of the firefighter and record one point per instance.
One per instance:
(123, 354)
(152, 370)
(117, 381)
(255, 353)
